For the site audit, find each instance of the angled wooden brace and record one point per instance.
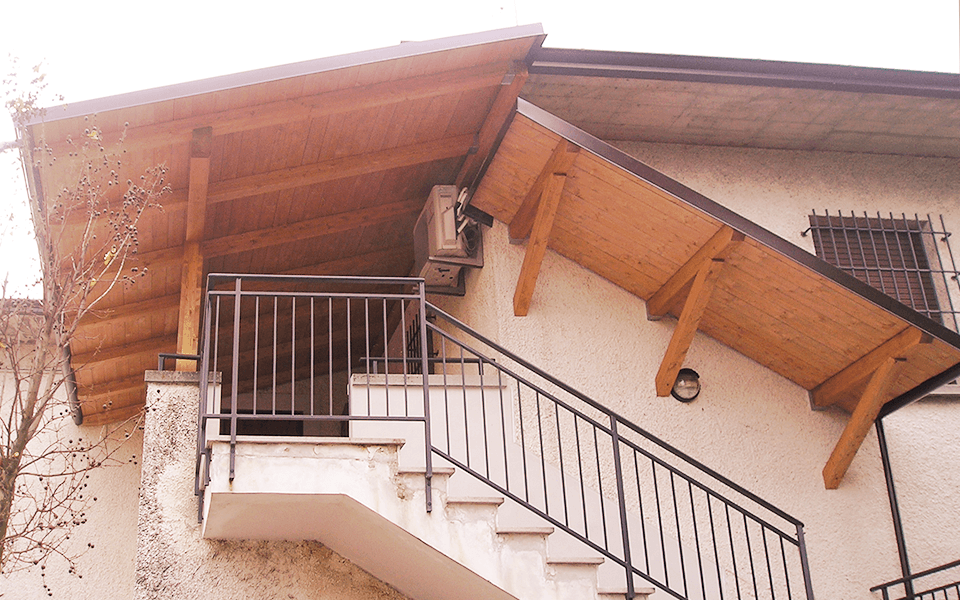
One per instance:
(696, 303)
(191, 277)
(537, 246)
(559, 162)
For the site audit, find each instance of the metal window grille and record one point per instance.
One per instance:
(909, 259)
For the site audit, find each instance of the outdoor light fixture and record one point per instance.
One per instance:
(687, 386)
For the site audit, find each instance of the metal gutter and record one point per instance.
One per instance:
(738, 71)
(265, 75)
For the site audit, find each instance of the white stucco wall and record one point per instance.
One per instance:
(749, 423)
(107, 569)
(173, 561)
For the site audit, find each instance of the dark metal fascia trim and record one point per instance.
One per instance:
(740, 71)
(919, 391)
(735, 221)
(268, 74)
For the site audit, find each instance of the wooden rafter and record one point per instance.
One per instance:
(717, 247)
(860, 421)
(319, 105)
(191, 278)
(131, 311)
(503, 107)
(697, 299)
(340, 168)
(106, 354)
(560, 162)
(832, 390)
(537, 246)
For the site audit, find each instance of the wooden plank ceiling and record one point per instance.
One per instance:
(314, 168)
(689, 257)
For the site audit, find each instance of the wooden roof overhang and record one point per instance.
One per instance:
(313, 168)
(851, 346)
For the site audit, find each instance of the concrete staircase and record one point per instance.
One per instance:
(360, 503)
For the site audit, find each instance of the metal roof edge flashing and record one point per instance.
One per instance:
(268, 74)
(742, 71)
(734, 220)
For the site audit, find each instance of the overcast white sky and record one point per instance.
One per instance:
(94, 48)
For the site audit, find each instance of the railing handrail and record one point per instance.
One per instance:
(916, 576)
(610, 413)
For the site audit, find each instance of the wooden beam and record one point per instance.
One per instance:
(560, 162)
(153, 345)
(191, 273)
(718, 246)
(833, 389)
(500, 112)
(132, 311)
(314, 106)
(340, 168)
(191, 299)
(537, 246)
(693, 308)
(310, 229)
(860, 421)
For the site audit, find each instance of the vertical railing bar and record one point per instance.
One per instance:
(386, 360)
(523, 444)
(351, 408)
(446, 396)
(676, 519)
(543, 460)
(663, 544)
(256, 349)
(330, 356)
(583, 493)
(463, 394)
(696, 539)
(753, 568)
(733, 549)
(313, 345)
(716, 552)
(953, 266)
(403, 356)
(293, 354)
(766, 555)
(603, 508)
(503, 431)
(425, 378)
(943, 275)
(643, 525)
(786, 571)
(273, 384)
(235, 375)
(622, 499)
(483, 416)
(202, 408)
(804, 563)
(563, 472)
(366, 341)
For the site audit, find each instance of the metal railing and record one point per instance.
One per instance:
(663, 517)
(941, 583)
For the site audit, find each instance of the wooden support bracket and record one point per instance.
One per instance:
(860, 421)
(703, 286)
(560, 162)
(537, 246)
(830, 392)
(717, 247)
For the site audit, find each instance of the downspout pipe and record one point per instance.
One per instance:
(895, 510)
(70, 381)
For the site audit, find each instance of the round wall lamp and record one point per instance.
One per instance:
(687, 386)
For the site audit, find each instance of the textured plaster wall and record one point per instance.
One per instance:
(749, 423)
(107, 568)
(173, 561)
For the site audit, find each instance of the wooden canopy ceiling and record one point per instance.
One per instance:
(312, 168)
(849, 345)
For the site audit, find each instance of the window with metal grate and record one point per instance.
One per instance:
(899, 256)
